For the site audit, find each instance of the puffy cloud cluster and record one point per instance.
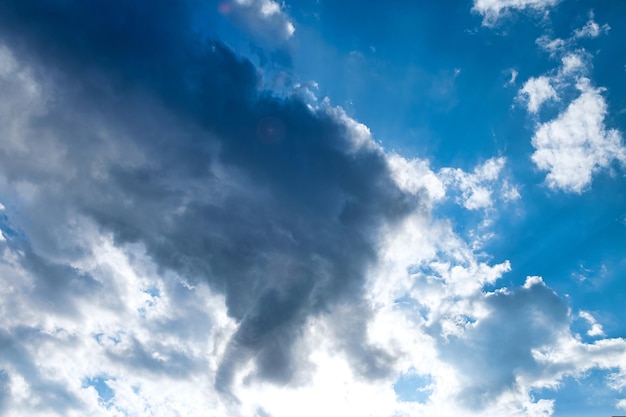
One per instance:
(169, 147)
(477, 188)
(537, 91)
(577, 144)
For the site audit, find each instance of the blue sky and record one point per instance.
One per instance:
(253, 208)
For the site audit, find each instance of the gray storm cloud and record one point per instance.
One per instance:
(162, 139)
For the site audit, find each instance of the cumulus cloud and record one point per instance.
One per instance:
(536, 91)
(518, 339)
(415, 176)
(276, 206)
(577, 144)
(265, 19)
(477, 188)
(492, 10)
(175, 241)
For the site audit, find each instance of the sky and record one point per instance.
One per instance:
(252, 208)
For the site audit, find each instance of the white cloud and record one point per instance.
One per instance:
(591, 30)
(415, 176)
(117, 318)
(513, 73)
(518, 339)
(595, 328)
(477, 188)
(565, 46)
(79, 301)
(576, 145)
(552, 46)
(510, 192)
(543, 89)
(537, 91)
(491, 10)
(263, 18)
(572, 63)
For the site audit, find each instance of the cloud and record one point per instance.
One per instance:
(118, 333)
(576, 145)
(560, 46)
(553, 46)
(492, 10)
(478, 187)
(513, 74)
(431, 289)
(591, 29)
(275, 205)
(499, 346)
(595, 328)
(415, 176)
(537, 91)
(175, 241)
(265, 19)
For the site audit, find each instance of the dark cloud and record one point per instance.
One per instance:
(162, 138)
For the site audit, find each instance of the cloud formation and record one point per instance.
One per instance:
(575, 145)
(265, 19)
(478, 187)
(591, 29)
(537, 91)
(175, 241)
(170, 146)
(492, 10)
